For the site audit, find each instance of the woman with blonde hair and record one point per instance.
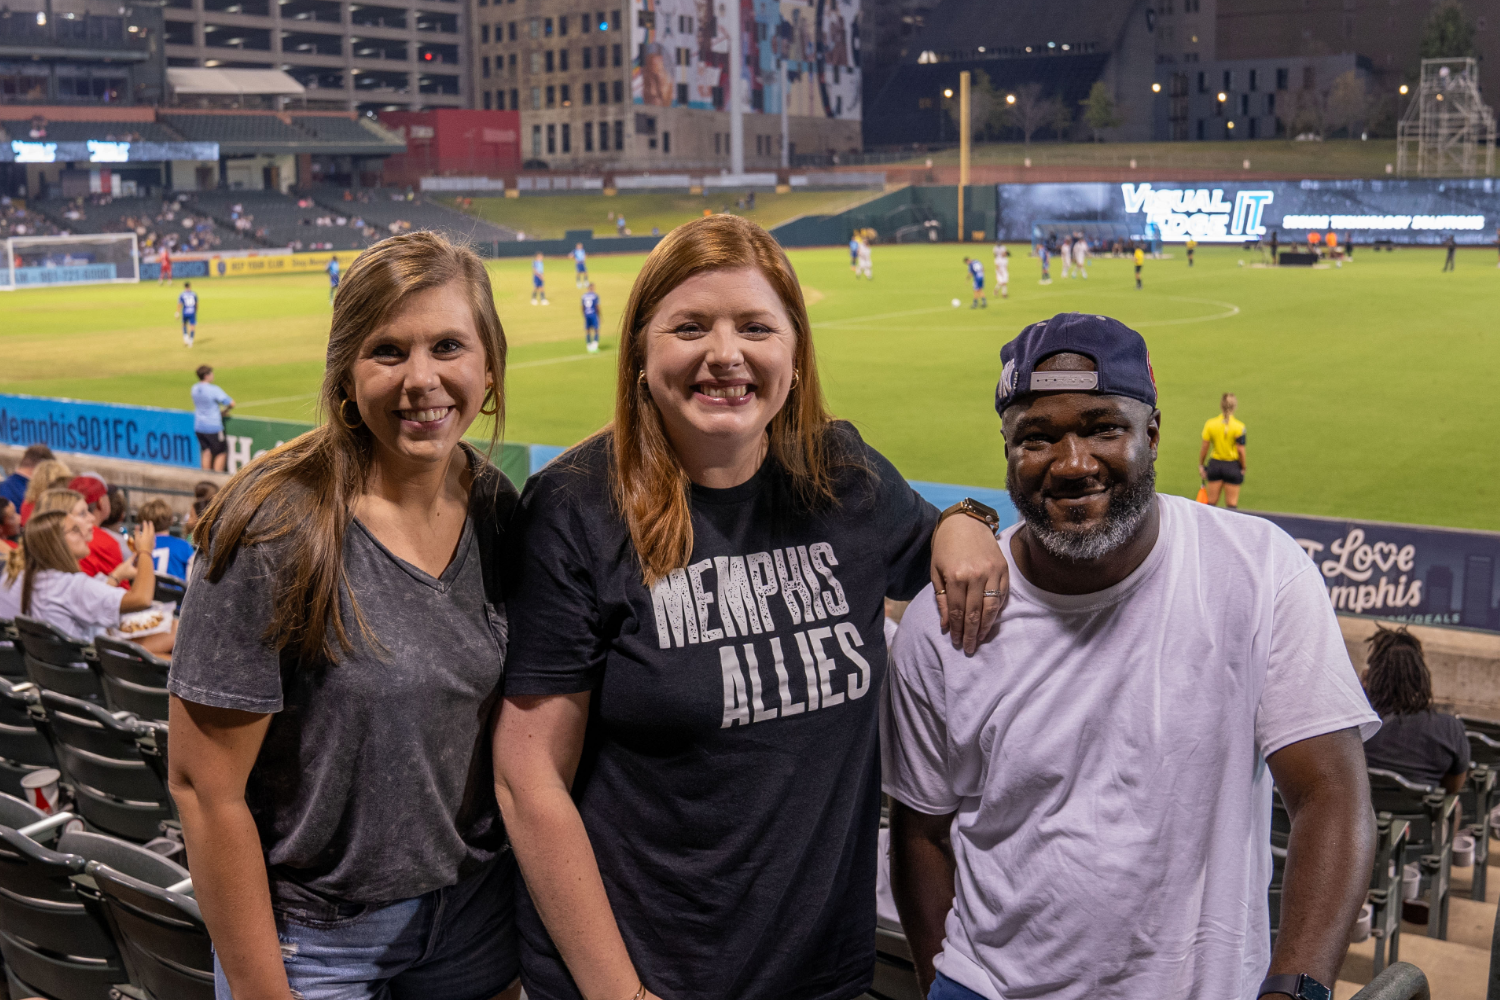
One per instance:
(54, 590)
(48, 474)
(687, 757)
(340, 659)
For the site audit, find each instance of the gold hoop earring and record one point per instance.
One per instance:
(344, 417)
(796, 378)
(490, 397)
(641, 378)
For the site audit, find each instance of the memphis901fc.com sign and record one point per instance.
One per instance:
(1403, 573)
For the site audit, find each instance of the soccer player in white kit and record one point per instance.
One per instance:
(1081, 256)
(1066, 253)
(863, 264)
(1002, 270)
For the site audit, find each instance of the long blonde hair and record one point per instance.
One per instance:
(308, 486)
(47, 502)
(647, 480)
(46, 548)
(44, 476)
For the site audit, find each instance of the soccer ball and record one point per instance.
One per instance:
(956, 303)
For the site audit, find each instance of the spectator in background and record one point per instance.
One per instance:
(169, 554)
(72, 503)
(104, 554)
(114, 523)
(48, 474)
(54, 590)
(1419, 744)
(13, 488)
(203, 494)
(10, 523)
(210, 404)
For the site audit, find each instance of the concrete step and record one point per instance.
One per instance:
(1454, 971)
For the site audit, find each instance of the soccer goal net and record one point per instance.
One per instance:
(48, 261)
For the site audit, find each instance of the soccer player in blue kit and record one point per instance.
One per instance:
(187, 310)
(591, 320)
(581, 267)
(976, 272)
(538, 289)
(333, 278)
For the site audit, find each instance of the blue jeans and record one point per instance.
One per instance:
(455, 943)
(944, 988)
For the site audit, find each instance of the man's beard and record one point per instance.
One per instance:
(1129, 506)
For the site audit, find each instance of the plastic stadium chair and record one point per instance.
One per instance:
(1488, 727)
(12, 660)
(134, 679)
(57, 661)
(1480, 794)
(114, 789)
(22, 747)
(161, 934)
(1391, 838)
(170, 588)
(54, 934)
(1430, 812)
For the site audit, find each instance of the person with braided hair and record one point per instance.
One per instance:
(1416, 742)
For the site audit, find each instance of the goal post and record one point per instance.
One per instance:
(50, 261)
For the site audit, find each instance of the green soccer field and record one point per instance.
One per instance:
(1362, 387)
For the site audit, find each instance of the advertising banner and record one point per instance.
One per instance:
(94, 151)
(1401, 211)
(137, 433)
(680, 55)
(1403, 573)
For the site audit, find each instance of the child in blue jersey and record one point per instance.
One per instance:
(187, 310)
(591, 320)
(976, 273)
(333, 278)
(538, 290)
(169, 554)
(580, 267)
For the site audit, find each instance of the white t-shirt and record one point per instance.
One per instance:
(1105, 757)
(80, 605)
(10, 596)
(1002, 267)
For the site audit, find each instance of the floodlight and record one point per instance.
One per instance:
(1156, 88)
(1010, 98)
(947, 91)
(1223, 97)
(1404, 88)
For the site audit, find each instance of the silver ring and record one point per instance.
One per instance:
(994, 593)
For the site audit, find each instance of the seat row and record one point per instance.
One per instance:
(86, 916)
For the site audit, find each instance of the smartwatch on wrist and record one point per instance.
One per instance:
(1299, 987)
(974, 509)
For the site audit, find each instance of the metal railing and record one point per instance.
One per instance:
(1401, 981)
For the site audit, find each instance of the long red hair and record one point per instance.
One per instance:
(647, 480)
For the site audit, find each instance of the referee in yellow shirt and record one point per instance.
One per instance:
(1224, 450)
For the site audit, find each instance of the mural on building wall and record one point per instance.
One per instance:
(681, 55)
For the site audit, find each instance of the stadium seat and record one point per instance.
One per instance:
(57, 661)
(134, 679)
(1391, 839)
(170, 588)
(1483, 747)
(12, 659)
(1430, 813)
(54, 934)
(161, 933)
(114, 788)
(1488, 727)
(1480, 794)
(22, 748)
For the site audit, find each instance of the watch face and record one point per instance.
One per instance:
(1311, 989)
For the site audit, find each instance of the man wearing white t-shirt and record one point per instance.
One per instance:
(1083, 808)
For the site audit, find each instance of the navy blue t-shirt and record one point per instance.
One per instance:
(729, 780)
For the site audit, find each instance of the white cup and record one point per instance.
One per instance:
(41, 788)
(1411, 881)
(1463, 851)
(1362, 924)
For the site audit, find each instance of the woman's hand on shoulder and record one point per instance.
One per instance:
(970, 578)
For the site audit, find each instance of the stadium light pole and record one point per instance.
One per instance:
(736, 91)
(786, 126)
(963, 151)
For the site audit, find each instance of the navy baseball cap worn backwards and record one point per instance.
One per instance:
(1119, 353)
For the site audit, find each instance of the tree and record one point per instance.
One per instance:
(1447, 33)
(1349, 104)
(1099, 109)
(1062, 116)
(1031, 112)
(1311, 113)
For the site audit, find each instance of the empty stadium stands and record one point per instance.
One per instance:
(231, 129)
(382, 211)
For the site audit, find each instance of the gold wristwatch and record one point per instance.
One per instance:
(976, 510)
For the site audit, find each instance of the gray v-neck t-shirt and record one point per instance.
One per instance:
(374, 783)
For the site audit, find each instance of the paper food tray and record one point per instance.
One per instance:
(162, 612)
